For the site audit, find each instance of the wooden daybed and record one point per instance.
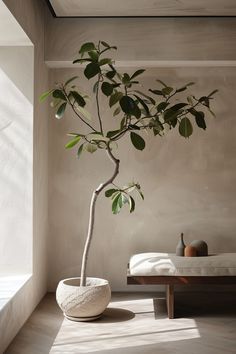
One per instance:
(170, 270)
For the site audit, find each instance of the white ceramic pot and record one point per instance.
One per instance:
(85, 303)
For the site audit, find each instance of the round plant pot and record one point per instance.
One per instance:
(83, 303)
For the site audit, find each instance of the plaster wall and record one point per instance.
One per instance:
(189, 184)
(16, 159)
(144, 39)
(31, 16)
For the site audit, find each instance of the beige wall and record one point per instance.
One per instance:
(145, 38)
(16, 158)
(30, 15)
(189, 185)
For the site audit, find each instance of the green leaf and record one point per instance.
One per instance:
(116, 204)
(157, 92)
(169, 115)
(78, 98)
(91, 70)
(117, 111)
(146, 96)
(112, 133)
(137, 141)
(185, 127)
(59, 94)
(127, 104)
(136, 111)
(114, 98)
(125, 78)
(143, 104)
(181, 89)
(107, 88)
(125, 198)
(81, 61)
(185, 87)
(213, 92)
(122, 122)
(91, 148)
(115, 194)
(131, 204)
(161, 82)
(156, 125)
(178, 106)
(110, 74)
(75, 134)
(140, 193)
(104, 61)
(162, 106)
(105, 44)
(45, 95)
(138, 72)
(97, 137)
(73, 142)
(109, 192)
(205, 101)
(167, 90)
(199, 117)
(80, 150)
(70, 80)
(87, 47)
(190, 100)
(93, 55)
(61, 110)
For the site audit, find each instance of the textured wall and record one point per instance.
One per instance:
(16, 158)
(145, 38)
(189, 186)
(30, 15)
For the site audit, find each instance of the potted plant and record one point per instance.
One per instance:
(156, 111)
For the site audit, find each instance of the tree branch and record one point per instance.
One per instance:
(74, 110)
(97, 102)
(95, 195)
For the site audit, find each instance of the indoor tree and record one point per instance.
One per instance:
(153, 110)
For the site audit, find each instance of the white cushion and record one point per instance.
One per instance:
(223, 264)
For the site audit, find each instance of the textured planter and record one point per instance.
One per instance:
(84, 303)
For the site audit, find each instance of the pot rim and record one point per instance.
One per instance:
(103, 282)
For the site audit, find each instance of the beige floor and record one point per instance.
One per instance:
(206, 324)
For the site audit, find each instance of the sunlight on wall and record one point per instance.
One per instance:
(16, 160)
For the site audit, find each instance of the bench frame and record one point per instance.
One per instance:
(171, 281)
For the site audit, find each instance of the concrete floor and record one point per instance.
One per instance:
(205, 324)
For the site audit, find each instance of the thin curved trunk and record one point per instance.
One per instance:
(95, 195)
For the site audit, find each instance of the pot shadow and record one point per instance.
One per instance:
(112, 314)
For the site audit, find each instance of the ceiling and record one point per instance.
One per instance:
(141, 8)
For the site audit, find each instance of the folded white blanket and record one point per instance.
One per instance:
(223, 264)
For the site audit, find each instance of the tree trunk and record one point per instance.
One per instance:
(95, 195)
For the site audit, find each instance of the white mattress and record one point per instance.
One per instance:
(223, 264)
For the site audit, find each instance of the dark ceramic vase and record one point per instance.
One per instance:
(180, 246)
(201, 247)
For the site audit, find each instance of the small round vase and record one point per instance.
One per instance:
(201, 247)
(190, 251)
(83, 303)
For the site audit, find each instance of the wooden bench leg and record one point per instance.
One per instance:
(170, 300)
